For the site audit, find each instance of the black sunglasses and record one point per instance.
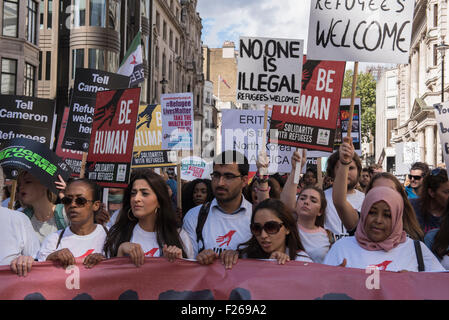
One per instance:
(270, 227)
(79, 201)
(414, 177)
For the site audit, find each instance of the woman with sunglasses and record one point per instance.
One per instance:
(274, 236)
(431, 204)
(147, 225)
(380, 240)
(82, 239)
(39, 202)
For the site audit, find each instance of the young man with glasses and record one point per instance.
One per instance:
(224, 223)
(418, 171)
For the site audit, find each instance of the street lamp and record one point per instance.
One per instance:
(163, 82)
(442, 47)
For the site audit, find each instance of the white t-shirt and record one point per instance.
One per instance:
(222, 231)
(332, 221)
(445, 262)
(17, 236)
(315, 242)
(403, 257)
(148, 242)
(80, 246)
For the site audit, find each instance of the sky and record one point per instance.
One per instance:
(229, 19)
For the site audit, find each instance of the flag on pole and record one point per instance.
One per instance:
(132, 64)
(224, 81)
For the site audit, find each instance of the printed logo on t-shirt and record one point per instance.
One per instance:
(382, 266)
(88, 252)
(226, 239)
(151, 253)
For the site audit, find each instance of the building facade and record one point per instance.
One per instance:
(420, 83)
(19, 47)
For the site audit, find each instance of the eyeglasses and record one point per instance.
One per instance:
(414, 177)
(270, 227)
(79, 201)
(226, 176)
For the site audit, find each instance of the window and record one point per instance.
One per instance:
(114, 15)
(164, 31)
(39, 73)
(158, 22)
(176, 46)
(8, 76)
(391, 124)
(96, 59)
(392, 83)
(98, 13)
(170, 69)
(391, 102)
(170, 43)
(156, 58)
(49, 14)
(48, 65)
(77, 60)
(10, 18)
(435, 54)
(29, 79)
(80, 13)
(113, 62)
(31, 22)
(164, 66)
(435, 15)
(41, 14)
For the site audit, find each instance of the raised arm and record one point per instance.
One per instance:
(288, 194)
(346, 212)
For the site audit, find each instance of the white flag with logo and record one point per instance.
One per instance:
(132, 64)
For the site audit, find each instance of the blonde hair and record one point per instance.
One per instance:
(50, 195)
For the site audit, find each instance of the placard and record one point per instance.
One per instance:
(365, 31)
(442, 117)
(148, 141)
(195, 168)
(82, 107)
(112, 139)
(312, 123)
(269, 71)
(177, 121)
(26, 117)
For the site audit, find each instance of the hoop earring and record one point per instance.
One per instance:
(156, 211)
(132, 218)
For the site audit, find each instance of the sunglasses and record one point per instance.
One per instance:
(79, 201)
(270, 227)
(414, 177)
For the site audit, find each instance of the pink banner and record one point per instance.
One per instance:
(249, 279)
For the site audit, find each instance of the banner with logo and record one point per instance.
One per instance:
(36, 158)
(158, 279)
(112, 139)
(312, 123)
(366, 31)
(72, 157)
(82, 106)
(242, 130)
(26, 117)
(269, 71)
(148, 141)
(195, 168)
(177, 121)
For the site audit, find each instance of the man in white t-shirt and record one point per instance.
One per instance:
(228, 220)
(17, 237)
(354, 197)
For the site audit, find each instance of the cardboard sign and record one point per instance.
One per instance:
(312, 123)
(269, 71)
(112, 139)
(36, 158)
(87, 83)
(148, 141)
(365, 31)
(242, 130)
(195, 168)
(26, 117)
(342, 128)
(177, 121)
(442, 117)
(72, 157)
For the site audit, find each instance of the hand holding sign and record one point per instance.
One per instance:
(299, 159)
(346, 151)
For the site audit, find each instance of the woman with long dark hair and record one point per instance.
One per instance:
(196, 193)
(275, 236)
(147, 225)
(437, 240)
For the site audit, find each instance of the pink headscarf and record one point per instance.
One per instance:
(396, 204)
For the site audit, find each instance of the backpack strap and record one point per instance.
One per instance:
(202, 217)
(60, 238)
(419, 256)
(59, 217)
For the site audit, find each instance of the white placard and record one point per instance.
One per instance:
(366, 31)
(442, 116)
(269, 71)
(177, 121)
(195, 168)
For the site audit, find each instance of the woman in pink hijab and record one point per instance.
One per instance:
(380, 240)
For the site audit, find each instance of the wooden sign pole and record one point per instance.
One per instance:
(12, 199)
(83, 165)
